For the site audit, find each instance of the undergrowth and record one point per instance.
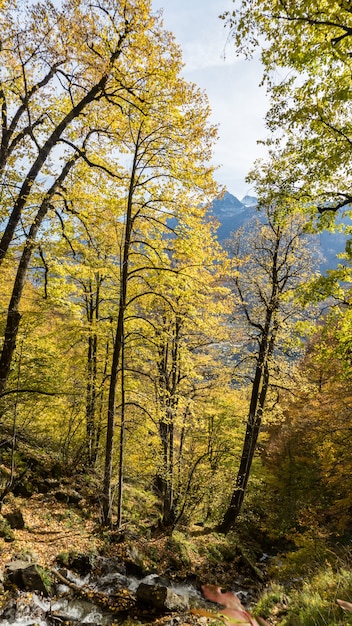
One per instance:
(310, 601)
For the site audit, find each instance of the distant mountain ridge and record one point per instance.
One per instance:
(233, 213)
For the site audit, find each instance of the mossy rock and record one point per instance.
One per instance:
(80, 563)
(24, 488)
(6, 531)
(15, 519)
(27, 577)
(180, 549)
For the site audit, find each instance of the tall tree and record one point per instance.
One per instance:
(67, 72)
(187, 327)
(307, 458)
(79, 254)
(268, 265)
(169, 141)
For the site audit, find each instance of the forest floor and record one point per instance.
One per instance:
(62, 518)
(61, 515)
(55, 529)
(51, 528)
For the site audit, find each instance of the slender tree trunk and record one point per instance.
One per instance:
(101, 404)
(92, 371)
(91, 397)
(168, 496)
(181, 444)
(122, 440)
(118, 343)
(249, 447)
(258, 398)
(110, 431)
(259, 390)
(169, 379)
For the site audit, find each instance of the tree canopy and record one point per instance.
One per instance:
(306, 53)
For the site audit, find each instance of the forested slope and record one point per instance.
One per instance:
(169, 376)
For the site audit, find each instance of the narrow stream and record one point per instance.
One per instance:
(30, 609)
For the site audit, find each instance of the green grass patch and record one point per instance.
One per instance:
(313, 602)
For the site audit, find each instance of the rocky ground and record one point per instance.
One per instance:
(56, 535)
(51, 525)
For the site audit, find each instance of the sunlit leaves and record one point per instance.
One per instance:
(310, 452)
(306, 52)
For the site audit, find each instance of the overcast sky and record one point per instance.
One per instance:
(232, 84)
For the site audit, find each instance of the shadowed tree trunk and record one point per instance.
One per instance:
(169, 377)
(257, 405)
(118, 344)
(275, 257)
(92, 298)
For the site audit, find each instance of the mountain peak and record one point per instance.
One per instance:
(227, 205)
(249, 201)
(231, 213)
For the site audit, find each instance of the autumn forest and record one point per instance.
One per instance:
(188, 380)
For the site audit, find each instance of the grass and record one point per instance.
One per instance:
(273, 599)
(312, 603)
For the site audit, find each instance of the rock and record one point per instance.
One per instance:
(108, 565)
(46, 485)
(57, 470)
(161, 581)
(134, 562)
(69, 496)
(26, 555)
(26, 576)
(27, 608)
(41, 487)
(52, 483)
(15, 519)
(5, 531)
(161, 598)
(24, 488)
(81, 563)
(79, 611)
(8, 614)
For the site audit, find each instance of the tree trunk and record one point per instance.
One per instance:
(110, 431)
(91, 398)
(169, 378)
(237, 498)
(122, 440)
(258, 398)
(92, 304)
(118, 343)
(13, 315)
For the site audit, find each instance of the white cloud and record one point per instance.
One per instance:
(232, 84)
(238, 106)
(199, 30)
